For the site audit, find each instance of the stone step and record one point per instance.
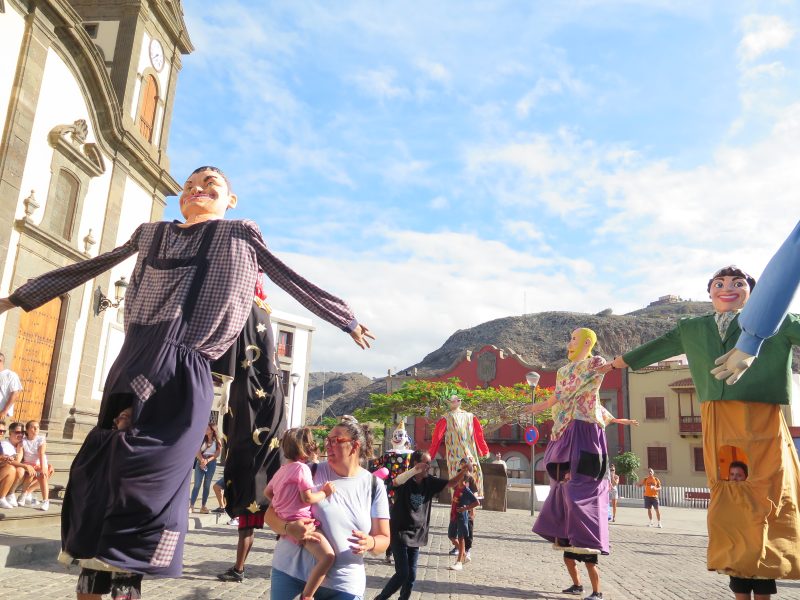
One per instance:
(21, 518)
(40, 540)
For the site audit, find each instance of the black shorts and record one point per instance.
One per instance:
(742, 585)
(650, 502)
(127, 586)
(584, 558)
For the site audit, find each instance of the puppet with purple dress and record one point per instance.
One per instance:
(574, 516)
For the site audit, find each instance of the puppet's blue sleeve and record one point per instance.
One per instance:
(769, 303)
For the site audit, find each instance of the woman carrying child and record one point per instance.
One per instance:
(291, 493)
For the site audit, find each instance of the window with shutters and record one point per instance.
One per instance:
(148, 105)
(654, 408)
(657, 458)
(285, 344)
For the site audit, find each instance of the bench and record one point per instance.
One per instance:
(697, 495)
(697, 499)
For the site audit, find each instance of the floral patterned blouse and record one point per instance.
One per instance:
(577, 398)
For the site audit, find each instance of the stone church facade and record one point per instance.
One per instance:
(86, 95)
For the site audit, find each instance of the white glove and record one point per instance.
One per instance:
(732, 365)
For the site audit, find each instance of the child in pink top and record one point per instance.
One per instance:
(291, 493)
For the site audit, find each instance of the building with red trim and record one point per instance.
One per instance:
(491, 367)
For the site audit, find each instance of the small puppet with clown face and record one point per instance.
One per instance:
(395, 461)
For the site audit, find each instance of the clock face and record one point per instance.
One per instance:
(156, 55)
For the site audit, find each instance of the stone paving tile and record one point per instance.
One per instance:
(509, 562)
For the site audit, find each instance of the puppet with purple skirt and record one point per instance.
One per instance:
(574, 516)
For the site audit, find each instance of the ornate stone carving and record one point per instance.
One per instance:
(31, 205)
(88, 242)
(487, 367)
(70, 140)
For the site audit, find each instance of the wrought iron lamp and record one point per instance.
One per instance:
(104, 302)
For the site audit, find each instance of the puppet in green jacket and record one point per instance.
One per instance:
(754, 525)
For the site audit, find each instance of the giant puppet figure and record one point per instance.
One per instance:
(753, 525)
(255, 417)
(575, 515)
(190, 293)
(396, 460)
(463, 438)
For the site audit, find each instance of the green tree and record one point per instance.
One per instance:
(627, 465)
(430, 399)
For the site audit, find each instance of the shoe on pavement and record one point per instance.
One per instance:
(203, 510)
(234, 521)
(595, 596)
(231, 575)
(467, 558)
(650, 524)
(573, 589)
(453, 551)
(659, 525)
(5, 504)
(12, 500)
(219, 509)
(45, 506)
(456, 567)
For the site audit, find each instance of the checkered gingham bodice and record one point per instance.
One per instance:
(235, 255)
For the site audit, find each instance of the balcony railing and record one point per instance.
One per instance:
(691, 424)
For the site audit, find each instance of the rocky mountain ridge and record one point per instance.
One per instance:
(539, 338)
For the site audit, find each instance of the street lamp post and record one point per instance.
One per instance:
(533, 380)
(322, 405)
(295, 378)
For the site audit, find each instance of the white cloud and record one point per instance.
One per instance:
(416, 289)
(434, 71)
(762, 34)
(379, 83)
(523, 230)
(546, 86)
(439, 203)
(407, 171)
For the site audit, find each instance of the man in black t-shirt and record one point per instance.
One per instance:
(410, 519)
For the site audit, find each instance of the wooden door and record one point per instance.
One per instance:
(33, 355)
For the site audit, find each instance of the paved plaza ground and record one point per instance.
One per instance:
(509, 562)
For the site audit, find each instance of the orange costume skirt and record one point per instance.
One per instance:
(753, 525)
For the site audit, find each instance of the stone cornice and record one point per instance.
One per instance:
(170, 15)
(57, 244)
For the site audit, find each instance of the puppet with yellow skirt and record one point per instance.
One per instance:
(753, 525)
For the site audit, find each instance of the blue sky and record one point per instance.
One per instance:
(442, 164)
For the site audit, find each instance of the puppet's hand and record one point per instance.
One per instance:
(6, 304)
(361, 336)
(732, 365)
